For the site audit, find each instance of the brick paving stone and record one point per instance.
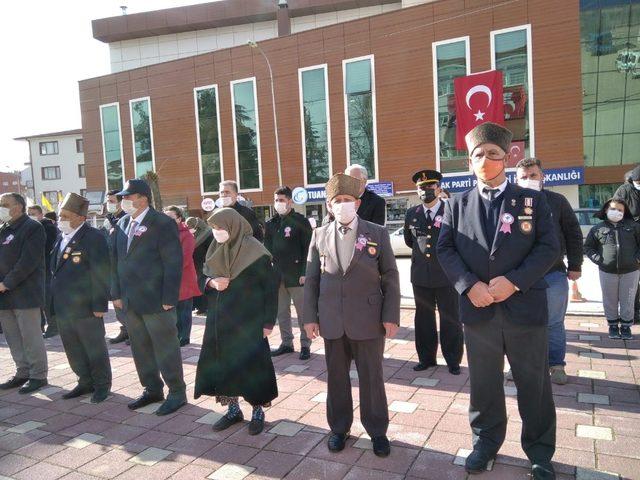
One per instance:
(109, 465)
(296, 368)
(435, 465)
(593, 398)
(288, 429)
(42, 471)
(320, 397)
(596, 355)
(627, 468)
(231, 471)
(225, 453)
(191, 472)
(210, 418)
(150, 456)
(43, 448)
(274, 464)
(74, 458)
(12, 463)
(461, 458)
(425, 382)
(361, 473)
(318, 469)
(83, 440)
(595, 374)
(588, 474)
(25, 427)
(399, 460)
(403, 407)
(590, 338)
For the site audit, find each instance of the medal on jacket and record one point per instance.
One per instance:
(7, 240)
(360, 243)
(507, 220)
(437, 221)
(287, 232)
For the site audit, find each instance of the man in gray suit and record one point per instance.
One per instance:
(352, 300)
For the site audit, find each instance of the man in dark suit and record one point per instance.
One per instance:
(287, 237)
(51, 234)
(80, 298)
(372, 206)
(352, 299)
(145, 283)
(22, 293)
(229, 198)
(431, 286)
(496, 243)
(113, 216)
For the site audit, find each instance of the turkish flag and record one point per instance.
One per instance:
(479, 99)
(517, 153)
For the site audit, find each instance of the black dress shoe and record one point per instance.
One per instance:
(32, 385)
(50, 332)
(100, 395)
(256, 426)
(454, 369)
(184, 342)
(477, 461)
(381, 446)
(15, 382)
(77, 391)
(422, 366)
(226, 421)
(305, 353)
(281, 350)
(543, 471)
(121, 337)
(170, 405)
(144, 400)
(337, 441)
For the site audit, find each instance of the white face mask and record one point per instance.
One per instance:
(127, 206)
(225, 201)
(33, 217)
(5, 216)
(112, 207)
(221, 236)
(65, 227)
(614, 215)
(530, 183)
(281, 207)
(636, 185)
(344, 212)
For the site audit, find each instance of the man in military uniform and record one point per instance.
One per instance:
(147, 265)
(287, 237)
(80, 298)
(496, 244)
(352, 299)
(229, 198)
(113, 216)
(431, 287)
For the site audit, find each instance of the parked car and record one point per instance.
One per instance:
(586, 219)
(400, 248)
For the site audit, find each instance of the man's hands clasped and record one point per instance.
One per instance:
(498, 290)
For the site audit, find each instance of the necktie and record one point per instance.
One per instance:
(343, 229)
(492, 193)
(429, 214)
(132, 231)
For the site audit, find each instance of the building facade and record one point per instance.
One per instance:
(57, 165)
(375, 90)
(10, 182)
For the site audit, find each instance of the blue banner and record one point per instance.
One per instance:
(552, 177)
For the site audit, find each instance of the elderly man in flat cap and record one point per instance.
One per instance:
(496, 243)
(147, 264)
(352, 300)
(80, 298)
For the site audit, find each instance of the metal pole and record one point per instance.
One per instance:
(275, 117)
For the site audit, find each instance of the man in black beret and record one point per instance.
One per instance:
(146, 283)
(496, 244)
(431, 286)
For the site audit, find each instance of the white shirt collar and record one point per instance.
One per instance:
(66, 238)
(353, 226)
(501, 188)
(433, 209)
(140, 217)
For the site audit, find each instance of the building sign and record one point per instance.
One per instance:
(303, 195)
(552, 177)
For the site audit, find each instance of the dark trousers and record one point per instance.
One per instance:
(122, 318)
(46, 318)
(526, 348)
(184, 310)
(426, 333)
(155, 348)
(367, 354)
(86, 349)
(200, 303)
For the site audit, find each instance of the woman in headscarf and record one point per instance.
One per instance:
(202, 233)
(242, 291)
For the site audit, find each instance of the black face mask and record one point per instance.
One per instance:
(427, 196)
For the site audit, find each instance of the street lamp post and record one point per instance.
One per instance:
(253, 44)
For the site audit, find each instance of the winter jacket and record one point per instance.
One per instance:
(631, 196)
(189, 284)
(615, 248)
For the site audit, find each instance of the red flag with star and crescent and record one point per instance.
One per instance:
(479, 99)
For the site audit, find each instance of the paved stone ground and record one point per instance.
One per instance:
(45, 437)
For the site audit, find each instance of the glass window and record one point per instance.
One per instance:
(630, 148)
(142, 131)
(81, 171)
(359, 100)
(511, 55)
(588, 146)
(247, 136)
(593, 196)
(589, 119)
(632, 117)
(112, 145)
(315, 113)
(79, 145)
(609, 118)
(48, 148)
(207, 119)
(51, 173)
(450, 61)
(608, 150)
(51, 196)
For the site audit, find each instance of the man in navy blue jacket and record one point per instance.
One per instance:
(147, 264)
(496, 244)
(79, 268)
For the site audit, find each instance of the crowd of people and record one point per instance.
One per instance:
(489, 260)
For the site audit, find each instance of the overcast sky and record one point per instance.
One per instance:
(46, 47)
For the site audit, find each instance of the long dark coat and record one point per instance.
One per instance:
(235, 360)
